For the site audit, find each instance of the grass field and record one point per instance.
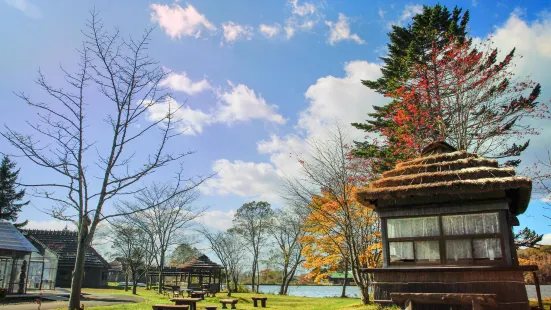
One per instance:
(245, 301)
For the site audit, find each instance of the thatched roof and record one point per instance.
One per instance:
(443, 171)
(201, 262)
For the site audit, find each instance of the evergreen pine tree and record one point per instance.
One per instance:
(10, 194)
(408, 47)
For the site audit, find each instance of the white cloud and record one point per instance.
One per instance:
(189, 121)
(181, 82)
(237, 104)
(381, 13)
(343, 99)
(330, 99)
(546, 239)
(246, 179)
(29, 9)
(50, 225)
(410, 10)
(474, 3)
(532, 41)
(269, 31)
(302, 9)
(217, 219)
(234, 31)
(340, 31)
(303, 18)
(241, 103)
(178, 21)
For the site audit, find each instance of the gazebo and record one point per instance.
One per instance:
(198, 273)
(446, 223)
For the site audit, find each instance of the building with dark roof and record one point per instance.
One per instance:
(64, 243)
(25, 264)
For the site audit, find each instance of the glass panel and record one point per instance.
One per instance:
(467, 224)
(34, 275)
(401, 251)
(457, 250)
(413, 227)
(487, 248)
(427, 250)
(5, 271)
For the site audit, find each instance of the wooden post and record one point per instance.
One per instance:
(538, 293)
(409, 305)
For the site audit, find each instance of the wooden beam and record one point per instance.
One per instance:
(445, 298)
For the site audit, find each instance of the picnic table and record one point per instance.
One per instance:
(197, 294)
(169, 307)
(191, 302)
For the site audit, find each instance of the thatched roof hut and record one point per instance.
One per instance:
(444, 174)
(446, 226)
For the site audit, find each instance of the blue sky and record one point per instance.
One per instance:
(259, 77)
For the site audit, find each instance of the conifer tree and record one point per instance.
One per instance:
(408, 46)
(10, 194)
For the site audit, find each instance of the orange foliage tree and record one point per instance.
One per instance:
(338, 229)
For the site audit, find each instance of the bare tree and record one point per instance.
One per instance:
(229, 250)
(541, 174)
(287, 229)
(90, 174)
(329, 177)
(252, 222)
(163, 218)
(128, 244)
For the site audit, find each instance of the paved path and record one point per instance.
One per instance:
(92, 300)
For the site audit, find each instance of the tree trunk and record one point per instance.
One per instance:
(254, 275)
(362, 281)
(126, 279)
(290, 277)
(258, 278)
(161, 267)
(228, 282)
(78, 272)
(343, 293)
(134, 281)
(284, 280)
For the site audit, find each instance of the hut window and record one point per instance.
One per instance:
(487, 249)
(401, 251)
(413, 227)
(457, 250)
(470, 224)
(427, 251)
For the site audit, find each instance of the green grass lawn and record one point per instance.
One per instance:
(245, 301)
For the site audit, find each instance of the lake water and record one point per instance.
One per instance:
(353, 291)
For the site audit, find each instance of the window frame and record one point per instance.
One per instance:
(441, 238)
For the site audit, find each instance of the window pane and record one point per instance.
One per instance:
(458, 250)
(413, 227)
(487, 248)
(467, 224)
(401, 251)
(427, 250)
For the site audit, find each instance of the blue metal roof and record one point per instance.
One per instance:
(12, 239)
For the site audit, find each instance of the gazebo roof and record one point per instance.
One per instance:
(441, 170)
(201, 262)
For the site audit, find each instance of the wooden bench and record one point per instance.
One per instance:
(169, 307)
(191, 302)
(211, 307)
(477, 301)
(197, 294)
(232, 302)
(262, 301)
